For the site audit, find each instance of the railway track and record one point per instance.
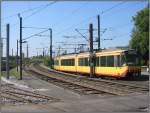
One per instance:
(132, 83)
(13, 95)
(69, 85)
(87, 86)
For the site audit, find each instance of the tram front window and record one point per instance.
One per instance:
(123, 60)
(129, 60)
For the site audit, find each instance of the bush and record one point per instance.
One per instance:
(47, 61)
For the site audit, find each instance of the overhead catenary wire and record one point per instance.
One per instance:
(82, 35)
(121, 26)
(121, 35)
(24, 11)
(35, 12)
(94, 16)
(35, 27)
(35, 34)
(41, 7)
(115, 37)
(28, 10)
(72, 13)
(103, 12)
(81, 22)
(107, 10)
(44, 7)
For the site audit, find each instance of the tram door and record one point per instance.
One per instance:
(117, 63)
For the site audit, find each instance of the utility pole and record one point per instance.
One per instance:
(59, 51)
(27, 51)
(17, 56)
(1, 53)
(75, 50)
(51, 60)
(12, 52)
(43, 52)
(1, 56)
(98, 22)
(20, 47)
(91, 50)
(37, 54)
(7, 51)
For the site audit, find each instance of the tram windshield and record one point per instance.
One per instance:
(130, 58)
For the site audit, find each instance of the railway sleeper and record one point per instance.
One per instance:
(16, 98)
(71, 85)
(81, 89)
(111, 92)
(25, 94)
(94, 92)
(123, 85)
(33, 93)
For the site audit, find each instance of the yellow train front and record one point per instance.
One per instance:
(114, 63)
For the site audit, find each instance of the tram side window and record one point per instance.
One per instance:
(118, 61)
(72, 62)
(97, 61)
(103, 60)
(86, 61)
(80, 62)
(67, 62)
(110, 61)
(83, 62)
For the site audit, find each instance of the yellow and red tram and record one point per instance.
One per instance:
(114, 63)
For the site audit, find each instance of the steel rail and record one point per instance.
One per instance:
(66, 83)
(109, 84)
(34, 93)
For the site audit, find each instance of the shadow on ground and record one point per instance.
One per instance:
(136, 78)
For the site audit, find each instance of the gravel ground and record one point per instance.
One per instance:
(73, 102)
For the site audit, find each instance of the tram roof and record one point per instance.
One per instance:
(96, 51)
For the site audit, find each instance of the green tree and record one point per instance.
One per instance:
(140, 35)
(47, 61)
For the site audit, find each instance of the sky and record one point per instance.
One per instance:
(64, 17)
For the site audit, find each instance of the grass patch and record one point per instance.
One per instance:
(13, 72)
(3, 73)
